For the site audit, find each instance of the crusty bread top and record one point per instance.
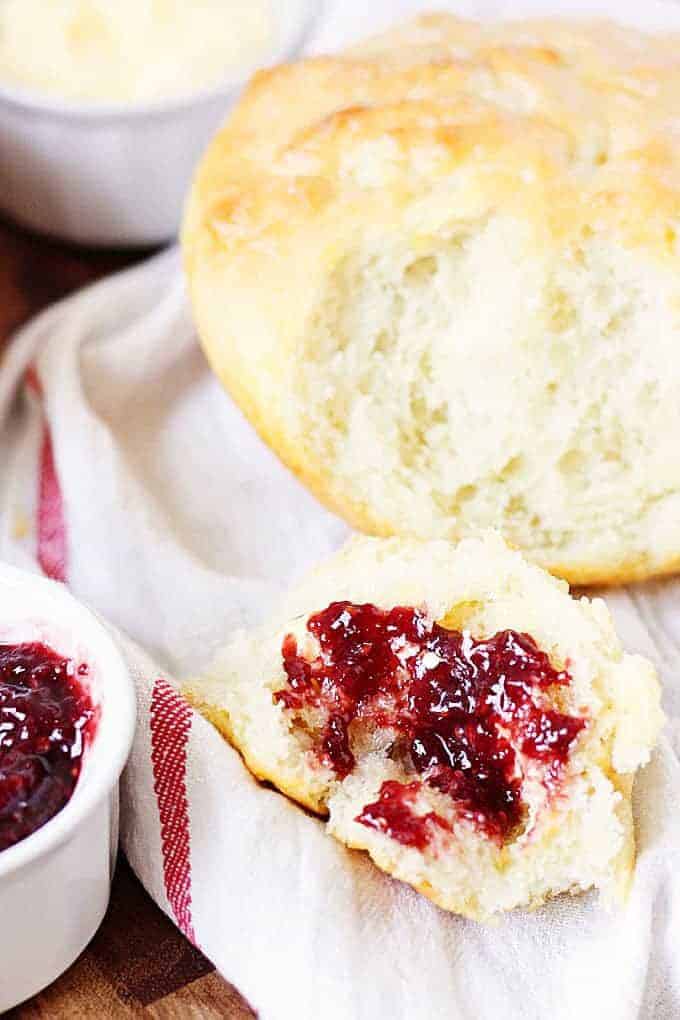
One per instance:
(598, 104)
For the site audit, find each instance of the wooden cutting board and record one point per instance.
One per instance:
(138, 964)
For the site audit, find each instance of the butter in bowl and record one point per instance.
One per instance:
(105, 108)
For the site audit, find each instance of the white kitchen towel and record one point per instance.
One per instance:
(128, 473)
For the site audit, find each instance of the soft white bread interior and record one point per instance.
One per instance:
(441, 275)
(576, 831)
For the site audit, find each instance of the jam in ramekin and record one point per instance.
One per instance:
(46, 721)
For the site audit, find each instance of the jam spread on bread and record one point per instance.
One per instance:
(464, 716)
(393, 813)
(46, 719)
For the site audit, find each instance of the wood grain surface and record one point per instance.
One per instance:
(138, 964)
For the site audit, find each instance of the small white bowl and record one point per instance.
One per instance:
(54, 885)
(117, 175)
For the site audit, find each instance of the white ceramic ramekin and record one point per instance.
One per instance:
(117, 175)
(54, 885)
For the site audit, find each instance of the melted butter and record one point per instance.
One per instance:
(129, 51)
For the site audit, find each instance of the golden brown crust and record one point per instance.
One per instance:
(222, 722)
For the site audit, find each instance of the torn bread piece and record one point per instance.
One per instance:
(453, 711)
(440, 275)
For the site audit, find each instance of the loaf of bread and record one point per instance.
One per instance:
(454, 712)
(441, 275)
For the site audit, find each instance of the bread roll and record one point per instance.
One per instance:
(454, 712)
(441, 275)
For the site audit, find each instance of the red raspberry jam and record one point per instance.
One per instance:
(393, 814)
(466, 716)
(46, 719)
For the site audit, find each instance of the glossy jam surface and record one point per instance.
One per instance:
(46, 719)
(464, 715)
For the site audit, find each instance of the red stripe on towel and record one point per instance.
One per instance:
(51, 549)
(52, 552)
(32, 380)
(170, 726)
